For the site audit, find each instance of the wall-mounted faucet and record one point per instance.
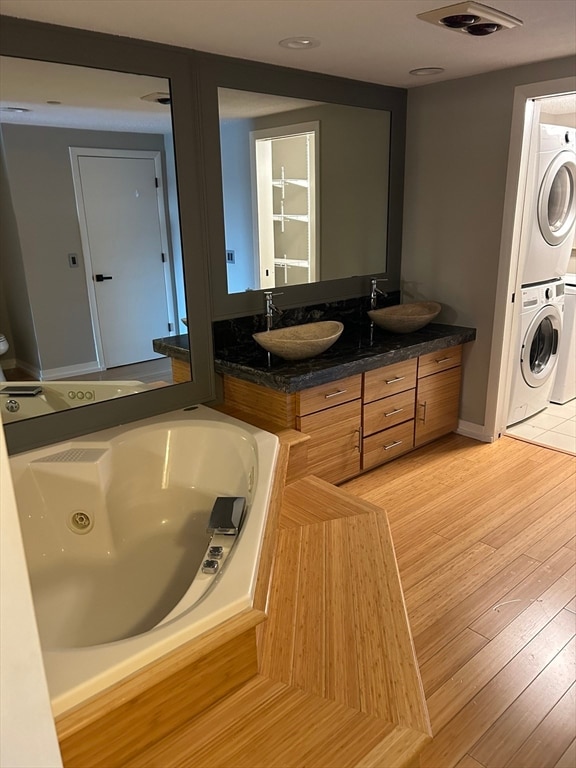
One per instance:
(374, 290)
(271, 308)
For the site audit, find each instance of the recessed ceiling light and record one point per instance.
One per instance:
(422, 71)
(14, 109)
(299, 42)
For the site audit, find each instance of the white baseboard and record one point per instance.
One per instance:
(31, 370)
(50, 374)
(475, 431)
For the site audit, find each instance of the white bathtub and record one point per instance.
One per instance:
(127, 588)
(61, 395)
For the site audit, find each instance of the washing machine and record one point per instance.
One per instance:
(564, 388)
(541, 310)
(551, 212)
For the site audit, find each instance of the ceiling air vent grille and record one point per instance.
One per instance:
(472, 18)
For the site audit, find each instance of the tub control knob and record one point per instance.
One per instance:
(12, 406)
(216, 552)
(210, 566)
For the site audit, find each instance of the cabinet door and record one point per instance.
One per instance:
(437, 405)
(386, 413)
(334, 446)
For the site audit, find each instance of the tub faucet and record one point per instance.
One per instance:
(271, 308)
(374, 290)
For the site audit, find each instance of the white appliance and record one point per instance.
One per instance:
(551, 212)
(541, 309)
(564, 388)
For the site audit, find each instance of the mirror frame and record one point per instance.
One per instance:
(64, 45)
(224, 72)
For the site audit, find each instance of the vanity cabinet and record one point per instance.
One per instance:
(438, 394)
(364, 420)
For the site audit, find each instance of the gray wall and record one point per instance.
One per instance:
(15, 316)
(40, 178)
(457, 144)
(237, 194)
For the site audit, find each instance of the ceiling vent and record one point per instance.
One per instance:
(472, 18)
(159, 98)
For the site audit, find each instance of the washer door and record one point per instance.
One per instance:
(557, 199)
(540, 348)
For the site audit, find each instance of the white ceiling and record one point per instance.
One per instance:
(373, 40)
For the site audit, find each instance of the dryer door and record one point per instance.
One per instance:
(539, 353)
(557, 199)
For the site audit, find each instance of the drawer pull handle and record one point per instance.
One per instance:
(393, 381)
(393, 445)
(442, 360)
(393, 413)
(338, 392)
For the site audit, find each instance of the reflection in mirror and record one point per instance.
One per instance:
(305, 187)
(91, 276)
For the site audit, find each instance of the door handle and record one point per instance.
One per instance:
(101, 278)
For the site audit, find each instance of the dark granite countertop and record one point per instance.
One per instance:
(353, 353)
(173, 346)
(359, 349)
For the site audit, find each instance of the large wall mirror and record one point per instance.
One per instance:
(94, 250)
(305, 188)
(306, 198)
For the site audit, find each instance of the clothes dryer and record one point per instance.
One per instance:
(541, 311)
(551, 213)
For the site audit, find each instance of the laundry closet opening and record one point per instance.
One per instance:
(542, 373)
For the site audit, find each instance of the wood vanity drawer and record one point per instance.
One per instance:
(328, 395)
(384, 446)
(390, 380)
(441, 360)
(388, 412)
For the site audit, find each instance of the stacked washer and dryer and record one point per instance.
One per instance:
(547, 238)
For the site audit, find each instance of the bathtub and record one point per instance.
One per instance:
(114, 530)
(60, 395)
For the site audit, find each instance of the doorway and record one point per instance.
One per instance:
(122, 219)
(284, 170)
(535, 107)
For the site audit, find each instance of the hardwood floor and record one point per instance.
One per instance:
(485, 541)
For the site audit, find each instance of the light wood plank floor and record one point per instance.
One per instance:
(485, 541)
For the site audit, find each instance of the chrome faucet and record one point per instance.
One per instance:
(374, 290)
(271, 308)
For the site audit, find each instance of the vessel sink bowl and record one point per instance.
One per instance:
(297, 342)
(405, 318)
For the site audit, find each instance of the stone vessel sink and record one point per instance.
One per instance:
(405, 318)
(297, 342)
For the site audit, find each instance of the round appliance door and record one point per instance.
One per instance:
(557, 199)
(540, 348)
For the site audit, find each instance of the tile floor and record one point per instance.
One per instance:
(554, 427)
